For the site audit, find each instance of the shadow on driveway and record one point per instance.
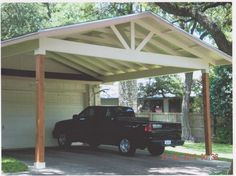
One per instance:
(81, 160)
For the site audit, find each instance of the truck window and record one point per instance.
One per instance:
(124, 112)
(110, 113)
(87, 113)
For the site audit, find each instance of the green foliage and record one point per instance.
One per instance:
(21, 18)
(163, 85)
(221, 102)
(11, 165)
(222, 16)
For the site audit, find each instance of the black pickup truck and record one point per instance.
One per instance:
(117, 125)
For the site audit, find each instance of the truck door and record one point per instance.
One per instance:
(106, 126)
(83, 126)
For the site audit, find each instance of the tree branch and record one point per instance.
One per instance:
(204, 34)
(193, 28)
(212, 5)
(182, 20)
(216, 33)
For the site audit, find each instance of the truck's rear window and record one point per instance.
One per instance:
(124, 112)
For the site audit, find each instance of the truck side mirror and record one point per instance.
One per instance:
(75, 116)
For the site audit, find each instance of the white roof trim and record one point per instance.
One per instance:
(108, 22)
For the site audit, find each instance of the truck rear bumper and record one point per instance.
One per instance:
(172, 143)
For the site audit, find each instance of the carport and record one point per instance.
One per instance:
(121, 48)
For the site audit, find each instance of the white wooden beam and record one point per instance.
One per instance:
(127, 66)
(112, 64)
(157, 44)
(57, 45)
(147, 73)
(145, 41)
(82, 63)
(97, 63)
(132, 34)
(72, 64)
(119, 36)
(165, 36)
(98, 40)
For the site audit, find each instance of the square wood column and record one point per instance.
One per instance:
(206, 107)
(39, 148)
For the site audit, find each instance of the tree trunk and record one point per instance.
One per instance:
(186, 130)
(128, 94)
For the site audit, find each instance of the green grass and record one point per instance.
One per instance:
(182, 156)
(217, 148)
(11, 165)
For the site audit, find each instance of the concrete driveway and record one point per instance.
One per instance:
(80, 160)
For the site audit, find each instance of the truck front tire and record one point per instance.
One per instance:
(155, 149)
(63, 141)
(126, 147)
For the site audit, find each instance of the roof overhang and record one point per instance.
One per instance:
(121, 48)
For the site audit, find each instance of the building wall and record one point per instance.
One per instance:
(62, 100)
(110, 101)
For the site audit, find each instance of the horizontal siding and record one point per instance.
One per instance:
(62, 100)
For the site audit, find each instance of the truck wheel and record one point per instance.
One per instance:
(63, 141)
(156, 149)
(126, 147)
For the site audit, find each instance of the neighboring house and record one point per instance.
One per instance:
(149, 104)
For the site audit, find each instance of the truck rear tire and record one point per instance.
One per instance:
(126, 147)
(63, 141)
(155, 149)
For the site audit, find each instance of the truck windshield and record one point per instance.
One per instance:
(124, 112)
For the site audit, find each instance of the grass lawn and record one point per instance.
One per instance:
(217, 148)
(11, 165)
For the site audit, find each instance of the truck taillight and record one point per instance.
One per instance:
(148, 128)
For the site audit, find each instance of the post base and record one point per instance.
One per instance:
(40, 165)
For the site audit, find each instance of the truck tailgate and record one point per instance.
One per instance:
(165, 130)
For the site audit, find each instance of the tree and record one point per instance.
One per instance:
(162, 85)
(21, 18)
(128, 94)
(198, 13)
(221, 102)
(205, 19)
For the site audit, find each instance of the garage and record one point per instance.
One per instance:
(51, 74)
(63, 98)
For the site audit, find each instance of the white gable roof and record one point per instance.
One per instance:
(126, 47)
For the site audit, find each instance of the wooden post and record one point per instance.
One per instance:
(39, 149)
(206, 107)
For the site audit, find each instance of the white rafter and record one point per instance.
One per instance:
(78, 61)
(119, 36)
(77, 48)
(132, 34)
(71, 64)
(145, 41)
(165, 36)
(145, 73)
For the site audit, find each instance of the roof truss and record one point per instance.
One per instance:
(77, 48)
